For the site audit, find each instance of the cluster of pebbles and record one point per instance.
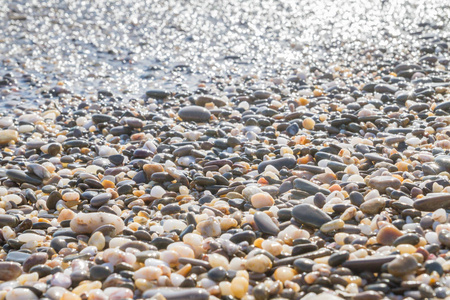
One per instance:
(324, 181)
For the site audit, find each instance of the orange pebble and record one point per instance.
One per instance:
(303, 101)
(335, 187)
(108, 184)
(317, 93)
(262, 180)
(138, 193)
(398, 177)
(258, 242)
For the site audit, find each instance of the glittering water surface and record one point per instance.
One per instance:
(130, 46)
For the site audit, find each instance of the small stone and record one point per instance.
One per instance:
(381, 183)
(35, 259)
(9, 271)
(332, 225)
(239, 287)
(262, 200)
(265, 224)
(209, 228)
(373, 206)
(403, 265)
(388, 234)
(7, 136)
(259, 264)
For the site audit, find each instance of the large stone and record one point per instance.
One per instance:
(432, 202)
(279, 163)
(9, 271)
(265, 224)
(7, 136)
(381, 183)
(194, 113)
(87, 223)
(402, 265)
(310, 215)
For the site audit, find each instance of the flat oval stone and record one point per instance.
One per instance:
(87, 223)
(381, 183)
(21, 177)
(194, 113)
(38, 258)
(304, 265)
(100, 199)
(409, 238)
(373, 206)
(178, 293)
(309, 187)
(338, 258)
(432, 202)
(368, 264)
(16, 256)
(9, 271)
(265, 224)
(279, 163)
(8, 220)
(310, 215)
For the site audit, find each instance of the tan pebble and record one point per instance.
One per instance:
(70, 296)
(239, 287)
(284, 273)
(227, 223)
(148, 273)
(308, 123)
(71, 196)
(225, 288)
(259, 264)
(86, 287)
(143, 284)
(98, 240)
(66, 214)
(406, 248)
(388, 234)
(348, 214)
(272, 247)
(7, 136)
(311, 277)
(149, 169)
(262, 200)
(332, 225)
(217, 260)
(108, 184)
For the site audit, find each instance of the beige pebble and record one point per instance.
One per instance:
(259, 263)
(262, 200)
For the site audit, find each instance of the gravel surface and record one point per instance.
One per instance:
(224, 150)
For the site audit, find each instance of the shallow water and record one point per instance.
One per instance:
(128, 47)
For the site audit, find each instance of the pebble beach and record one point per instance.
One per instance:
(232, 149)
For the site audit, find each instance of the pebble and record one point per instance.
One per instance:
(402, 265)
(432, 202)
(194, 114)
(88, 222)
(310, 215)
(265, 224)
(9, 271)
(262, 200)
